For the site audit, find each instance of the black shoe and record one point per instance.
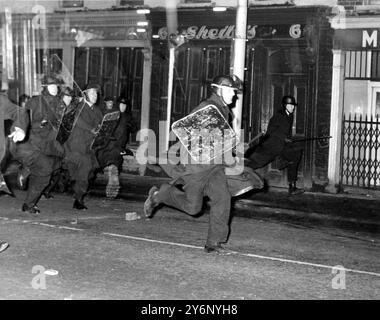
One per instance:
(217, 249)
(3, 186)
(294, 191)
(79, 205)
(3, 245)
(150, 203)
(33, 209)
(22, 178)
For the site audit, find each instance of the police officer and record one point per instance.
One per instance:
(277, 141)
(40, 155)
(80, 159)
(200, 180)
(20, 122)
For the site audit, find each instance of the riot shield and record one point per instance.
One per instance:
(66, 126)
(205, 134)
(107, 127)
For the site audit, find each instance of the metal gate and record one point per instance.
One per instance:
(360, 156)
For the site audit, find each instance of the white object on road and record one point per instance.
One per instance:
(130, 216)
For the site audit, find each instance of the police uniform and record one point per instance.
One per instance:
(198, 181)
(80, 159)
(274, 144)
(40, 154)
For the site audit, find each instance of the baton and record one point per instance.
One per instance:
(313, 138)
(256, 137)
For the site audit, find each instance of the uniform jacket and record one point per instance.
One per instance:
(80, 140)
(10, 111)
(279, 128)
(44, 123)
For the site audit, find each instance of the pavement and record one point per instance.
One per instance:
(344, 209)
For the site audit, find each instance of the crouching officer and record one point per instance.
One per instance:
(277, 141)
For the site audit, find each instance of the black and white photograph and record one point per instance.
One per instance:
(189, 156)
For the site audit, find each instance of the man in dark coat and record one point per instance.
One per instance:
(19, 124)
(110, 156)
(40, 154)
(20, 121)
(200, 180)
(277, 143)
(80, 159)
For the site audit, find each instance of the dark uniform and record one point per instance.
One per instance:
(19, 118)
(277, 143)
(40, 154)
(80, 159)
(200, 180)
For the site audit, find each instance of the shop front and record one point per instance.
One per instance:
(285, 55)
(104, 47)
(356, 105)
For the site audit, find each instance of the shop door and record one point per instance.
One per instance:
(280, 85)
(119, 72)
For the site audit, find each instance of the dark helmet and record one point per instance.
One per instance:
(67, 91)
(92, 86)
(50, 79)
(108, 98)
(228, 81)
(288, 100)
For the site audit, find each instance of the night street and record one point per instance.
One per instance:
(103, 256)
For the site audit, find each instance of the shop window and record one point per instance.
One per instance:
(290, 60)
(356, 97)
(358, 65)
(53, 65)
(375, 66)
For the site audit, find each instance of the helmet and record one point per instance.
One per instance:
(50, 79)
(108, 98)
(288, 100)
(228, 81)
(92, 86)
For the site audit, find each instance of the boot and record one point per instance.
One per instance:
(30, 209)
(113, 186)
(293, 190)
(151, 202)
(79, 205)
(3, 186)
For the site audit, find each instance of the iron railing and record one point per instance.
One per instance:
(360, 152)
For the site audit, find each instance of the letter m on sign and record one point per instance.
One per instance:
(369, 40)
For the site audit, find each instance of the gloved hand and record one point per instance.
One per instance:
(288, 140)
(17, 135)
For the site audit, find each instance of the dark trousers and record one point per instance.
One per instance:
(41, 167)
(211, 183)
(80, 167)
(290, 157)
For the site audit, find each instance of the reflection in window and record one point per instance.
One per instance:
(356, 97)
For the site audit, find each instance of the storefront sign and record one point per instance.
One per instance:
(356, 39)
(294, 31)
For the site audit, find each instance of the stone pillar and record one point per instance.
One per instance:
(333, 172)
